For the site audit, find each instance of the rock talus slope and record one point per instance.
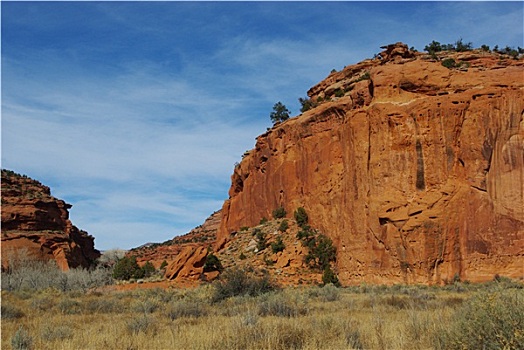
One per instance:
(415, 170)
(36, 224)
(184, 254)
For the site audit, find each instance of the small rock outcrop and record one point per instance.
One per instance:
(183, 254)
(189, 263)
(36, 224)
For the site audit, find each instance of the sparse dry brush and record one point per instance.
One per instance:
(459, 316)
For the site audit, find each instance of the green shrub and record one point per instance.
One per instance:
(306, 234)
(449, 63)
(329, 277)
(261, 240)
(280, 113)
(461, 46)
(306, 104)
(127, 268)
(242, 256)
(458, 46)
(301, 217)
(263, 221)
(321, 252)
(365, 76)
(339, 93)
(163, 265)
(284, 225)
(278, 245)
(148, 269)
(433, 47)
(511, 52)
(279, 213)
(212, 263)
(237, 281)
(21, 340)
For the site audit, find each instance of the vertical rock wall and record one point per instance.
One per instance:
(416, 173)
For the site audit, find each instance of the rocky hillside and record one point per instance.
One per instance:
(251, 247)
(413, 164)
(36, 224)
(201, 236)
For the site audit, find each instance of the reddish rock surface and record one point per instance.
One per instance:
(286, 267)
(416, 171)
(36, 224)
(189, 263)
(185, 255)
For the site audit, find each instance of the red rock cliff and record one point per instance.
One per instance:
(416, 171)
(37, 224)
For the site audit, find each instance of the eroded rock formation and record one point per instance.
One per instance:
(36, 224)
(185, 255)
(415, 170)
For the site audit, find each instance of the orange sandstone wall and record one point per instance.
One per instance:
(417, 173)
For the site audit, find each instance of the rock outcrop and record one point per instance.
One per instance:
(36, 224)
(189, 263)
(185, 255)
(414, 170)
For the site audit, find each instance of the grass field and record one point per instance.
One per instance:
(458, 316)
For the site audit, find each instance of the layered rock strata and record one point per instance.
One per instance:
(36, 225)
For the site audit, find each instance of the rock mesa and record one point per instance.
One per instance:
(36, 224)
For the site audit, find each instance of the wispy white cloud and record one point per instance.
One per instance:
(135, 150)
(136, 112)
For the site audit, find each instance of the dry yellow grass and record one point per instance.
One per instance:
(307, 318)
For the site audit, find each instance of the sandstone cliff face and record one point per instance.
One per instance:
(37, 224)
(416, 171)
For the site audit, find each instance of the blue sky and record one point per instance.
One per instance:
(135, 112)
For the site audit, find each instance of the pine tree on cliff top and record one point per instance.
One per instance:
(280, 113)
